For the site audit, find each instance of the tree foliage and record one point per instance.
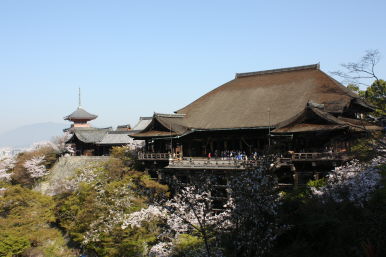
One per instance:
(112, 210)
(33, 164)
(254, 216)
(7, 163)
(94, 210)
(376, 95)
(347, 219)
(246, 224)
(353, 182)
(25, 223)
(359, 73)
(190, 211)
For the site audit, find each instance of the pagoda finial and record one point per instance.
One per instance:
(80, 103)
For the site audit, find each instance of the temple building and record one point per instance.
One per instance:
(87, 140)
(300, 113)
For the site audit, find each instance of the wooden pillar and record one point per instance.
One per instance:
(159, 174)
(295, 175)
(296, 179)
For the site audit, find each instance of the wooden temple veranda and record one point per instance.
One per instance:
(300, 113)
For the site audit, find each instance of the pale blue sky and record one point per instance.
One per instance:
(132, 58)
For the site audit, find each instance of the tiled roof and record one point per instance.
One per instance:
(90, 135)
(102, 136)
(142, 123)
(116, 138)
(80, 114)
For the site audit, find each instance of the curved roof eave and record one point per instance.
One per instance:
(81, 114)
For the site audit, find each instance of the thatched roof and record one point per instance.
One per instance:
(301, 128)
(263, 99)
(361, 125)
(313, 119)
(260, 100)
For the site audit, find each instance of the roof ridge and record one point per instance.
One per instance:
(169, 115)
(295, 68)
(110, 132)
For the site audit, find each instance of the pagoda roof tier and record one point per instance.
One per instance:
(80, 114)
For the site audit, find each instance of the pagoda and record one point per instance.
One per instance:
(80, 117)
(88, 140)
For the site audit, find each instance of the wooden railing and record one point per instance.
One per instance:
(202, 163)
(177, 161)
(142, 156)
(153, 156)
(318, 156)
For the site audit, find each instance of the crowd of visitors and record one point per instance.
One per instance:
(233, 155)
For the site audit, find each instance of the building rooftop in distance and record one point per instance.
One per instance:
(80, 114)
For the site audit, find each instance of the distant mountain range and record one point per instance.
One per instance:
(27, 135)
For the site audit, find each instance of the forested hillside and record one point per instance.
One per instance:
(112, 208)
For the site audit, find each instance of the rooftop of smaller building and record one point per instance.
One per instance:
(102, 136)
(80, 114)
(142, 123)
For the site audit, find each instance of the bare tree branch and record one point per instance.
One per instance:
(355, 72)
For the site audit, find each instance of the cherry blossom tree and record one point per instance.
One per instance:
(192, 209)
(6, 164)
(136, 219)
(87, 174)
(117, 203)
(247, 225)
(189, 211)
(162, 249)
(247, 217)
(35, 168)
(354, 182)
(58, 144)
(254, 215)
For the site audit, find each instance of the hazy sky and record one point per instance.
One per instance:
(132, 58)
